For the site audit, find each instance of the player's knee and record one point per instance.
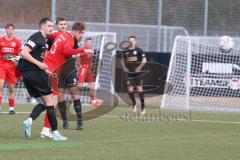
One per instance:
(1, 85)
(130, 90)
(139, 89)
(11, 90)
(75, 96)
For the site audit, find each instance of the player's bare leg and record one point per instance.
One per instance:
(77, 106)
(1, 91)
(141, 96)
(11, 93)
(132, 97)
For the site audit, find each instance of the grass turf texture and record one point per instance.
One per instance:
(111, 137)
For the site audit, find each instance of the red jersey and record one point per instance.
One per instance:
(54, 35)
(60, 51)
(8, 47)
(86, 59)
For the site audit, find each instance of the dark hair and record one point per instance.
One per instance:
(132, 37)
(79, 26)
(60, 19)
(10, 25)
(44, 20)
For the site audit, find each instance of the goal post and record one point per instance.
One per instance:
(201, 77)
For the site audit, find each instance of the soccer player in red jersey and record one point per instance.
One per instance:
(61, 27)
(58, 55)
(85, 72)
(9, 45)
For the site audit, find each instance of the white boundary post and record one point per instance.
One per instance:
(169, 71)
(189, 60)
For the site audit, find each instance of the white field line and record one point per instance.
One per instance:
(155, 119)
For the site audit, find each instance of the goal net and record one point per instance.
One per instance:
(201, 77)
(102, 69)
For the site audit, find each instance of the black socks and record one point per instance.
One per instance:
(62, 109)
(132, 97)
(37, 110)
(52, 117)
(78, 109)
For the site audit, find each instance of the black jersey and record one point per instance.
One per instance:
(37, 44)
(133, 57)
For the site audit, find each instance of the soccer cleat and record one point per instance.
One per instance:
(65, 125)
(46, 134)
(134, 109)
(27, 129)
(96, 103)
(79, 125)
(59, 137)
(11, 112)
(143, 112)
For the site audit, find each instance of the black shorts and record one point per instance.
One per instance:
(37, 83)
(68, 80)
(68, 74)
(134, 79)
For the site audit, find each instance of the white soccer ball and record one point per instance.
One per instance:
(225, 44)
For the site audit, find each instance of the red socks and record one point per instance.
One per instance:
(46, 121)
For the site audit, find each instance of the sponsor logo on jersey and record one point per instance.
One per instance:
(233, 83)
(14, 44)
(7, 50)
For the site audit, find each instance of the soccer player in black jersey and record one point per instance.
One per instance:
(133, 59)
(35, 77)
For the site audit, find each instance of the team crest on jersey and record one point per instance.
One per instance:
(134, 52)
(14, 44)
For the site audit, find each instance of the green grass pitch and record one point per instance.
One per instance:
(209, 136)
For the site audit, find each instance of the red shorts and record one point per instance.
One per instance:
(8, 75)
(54, 85)
(18, 74)
(85, 75)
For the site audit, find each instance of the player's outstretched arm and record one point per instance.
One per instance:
(68, 50)
(25, 53)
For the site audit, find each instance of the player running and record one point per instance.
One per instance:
(58, 55)
(133, 60)
(85, 72)
(35, 78)
(9, 47)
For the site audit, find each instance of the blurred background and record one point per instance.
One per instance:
(154, 22)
